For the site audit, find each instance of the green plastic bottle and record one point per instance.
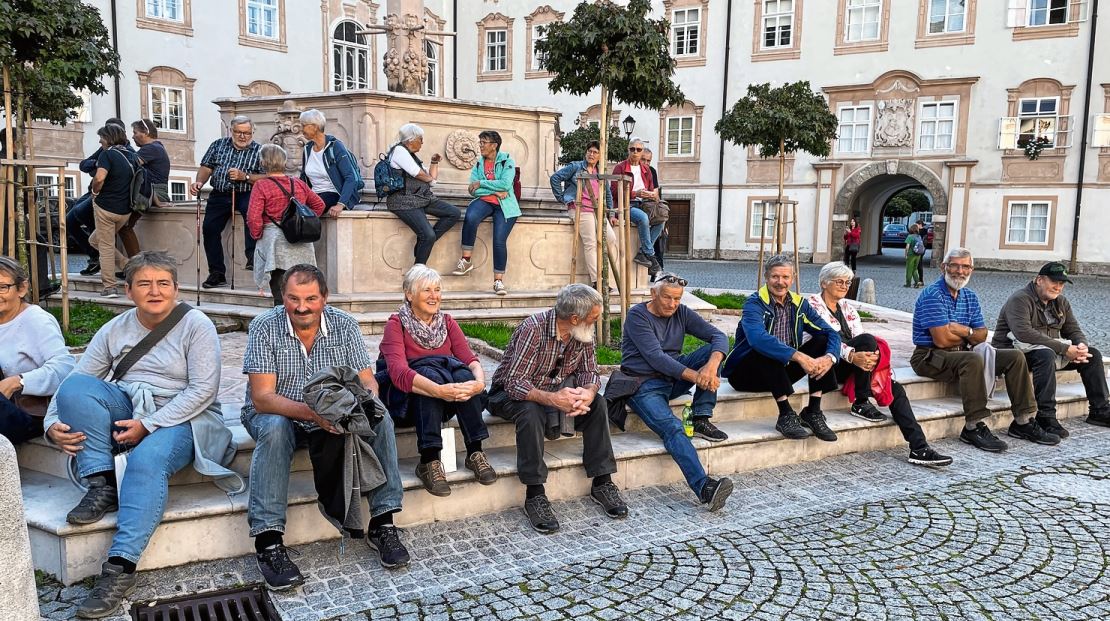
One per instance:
(688, 419)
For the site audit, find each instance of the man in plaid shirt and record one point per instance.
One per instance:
(548, 381)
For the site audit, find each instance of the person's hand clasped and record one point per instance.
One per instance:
(865, 360)
(133, 432)
(436, 158)
(708, 378)
(568, 401)
(473, 186)
(9, 386)
(69, 441)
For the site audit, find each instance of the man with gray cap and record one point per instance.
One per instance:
(1038, 320)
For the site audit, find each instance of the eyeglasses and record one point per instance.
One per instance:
(956, 267)
(635, 149)
(841, 282)
(244, 134)
(4, 288)
(672, 279)
(555, 371)
(486, 142)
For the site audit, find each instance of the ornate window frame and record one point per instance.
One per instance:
(333, 72)
(179, 144)
(843, 46)
(1008, 202)
(261, 88)
(277, 44)
(495, 21)
(540, 17)
(790, 52)
(183, 26)
(942, 39)
(689, 60)
(688, 109)
(436, 41)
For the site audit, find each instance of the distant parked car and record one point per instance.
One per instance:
(894, 235)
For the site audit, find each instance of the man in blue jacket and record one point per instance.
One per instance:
(769, 353)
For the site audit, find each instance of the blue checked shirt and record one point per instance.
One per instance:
(936, 307)
(222, 156)
(273, 348)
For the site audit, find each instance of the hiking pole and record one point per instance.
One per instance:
(233, 210)
(198, 249)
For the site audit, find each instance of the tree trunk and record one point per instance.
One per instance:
(603, 333)
(20, 224)
(780, 233)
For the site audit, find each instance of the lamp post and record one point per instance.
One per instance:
(629, 124)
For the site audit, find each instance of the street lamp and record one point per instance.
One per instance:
(629, 124)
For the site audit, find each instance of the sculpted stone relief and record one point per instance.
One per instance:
(462, 149)
(894, 123)
(405, 64)
(287, 134)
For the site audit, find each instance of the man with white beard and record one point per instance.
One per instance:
(947, 324)
(547, 385)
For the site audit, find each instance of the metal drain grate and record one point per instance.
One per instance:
(250, 604)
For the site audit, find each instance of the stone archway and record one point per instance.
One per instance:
(873, 173)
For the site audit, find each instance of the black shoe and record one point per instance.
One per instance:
(982, 438)
(119, 275)
(540, 515)
(277, 570)
(705, 429)
(715, 493)
(815, 421)
(215, 279)
(99, 500)
(250, 266)
(108, 592)
(790, 426)
(434, 478)
(928, 457)
(1033, 432)
(1053, 426)
(92, 268)
(391, 551)
(642, 259)
(1099, 416)
(867, 411)
(609, 497)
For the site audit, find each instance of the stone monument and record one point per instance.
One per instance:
(404, 62)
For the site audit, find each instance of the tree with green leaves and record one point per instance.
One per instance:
(780, 121)
(916, 199)
(573, 144)
(898, 207)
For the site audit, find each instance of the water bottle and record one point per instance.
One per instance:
(688, 419)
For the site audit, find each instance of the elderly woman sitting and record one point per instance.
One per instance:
(33, 361)
(860, 357)
(273, 254)
(328, 167)
(433, 376)
(416, 201)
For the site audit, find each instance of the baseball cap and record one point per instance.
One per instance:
(1056, 271)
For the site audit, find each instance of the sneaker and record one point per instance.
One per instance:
(479, 465)
(815, 421)
(1099, 416)
(654, 268)
(1033, 432)
(609, 497)
(928, 457)
(92, 268)
(107, 593)
(705, 429)
(98, 501)
(540, 515)
(215, 279)
(867, 411)
(391, 552)
(499, 288)
(277, 570)
(249, 266)
(982, 438)
(434, 478)
(109, 293)
(790, 426)
(642, 259)
(1053, 426)
(463, 268)
(715, 493)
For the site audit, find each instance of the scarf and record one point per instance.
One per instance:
(427, 336)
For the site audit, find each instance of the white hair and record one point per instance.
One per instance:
(577, 299)
(833, 271)
(417, 276)
(778, 260)
(313, 117)
(241, 119)
(636, 140)
(409, 132)
(958, 253)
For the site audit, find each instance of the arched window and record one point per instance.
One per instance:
(431, 83)
(350, 58)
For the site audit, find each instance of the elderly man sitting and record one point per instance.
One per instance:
(651, 354)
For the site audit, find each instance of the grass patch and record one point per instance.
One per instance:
(85, 318)
(722, 300)
(866, 315)
(46, 579)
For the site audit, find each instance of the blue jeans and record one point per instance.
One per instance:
(91, 406)
(276, 437)
(80, 224)
(650, 403)
(648, 234)
(479, 210)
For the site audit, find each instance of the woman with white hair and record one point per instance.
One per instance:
(862, 360)
(327, 166)
(416, 201)
(431, 375)
(273, 254)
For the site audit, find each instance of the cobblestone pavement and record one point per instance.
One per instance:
(863, 536)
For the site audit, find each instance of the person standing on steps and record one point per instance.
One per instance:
(491, 185)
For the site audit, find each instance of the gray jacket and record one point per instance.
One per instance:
(1036, 323)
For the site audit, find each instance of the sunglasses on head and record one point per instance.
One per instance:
(672, 279)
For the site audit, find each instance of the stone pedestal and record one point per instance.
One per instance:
(18, 597)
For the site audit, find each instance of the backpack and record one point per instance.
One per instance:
(387, 179)
(360, 183)
(299, 224)
(516, 184)
(141, 192)
(919, 246)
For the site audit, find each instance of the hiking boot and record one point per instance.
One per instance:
(499, 288)
(1033, 432)
(214, 280)
(715, 492)
(249, 266)
(609, 497)
(479, 465)
(463, 268)
(867, 411)
(642, 259)
(705, 429)
(654, 268)
(99, 500)
(1053, 426)
(391, 552)
(111, 586)
(277, 570)
(815, 421)
(119, 275)
(434, 478)
(790, 426)
(540, 515)
(928, 457)
(1099, 416)
(92, 268)
(109, 293)
(982, 438)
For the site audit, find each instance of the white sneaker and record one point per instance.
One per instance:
(109, 293)
(463, 268)
(499, 288)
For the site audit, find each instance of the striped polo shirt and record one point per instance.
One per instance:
(936, 307)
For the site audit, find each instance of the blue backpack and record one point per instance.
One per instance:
(360, 183)
(919, 246)
(387, 179)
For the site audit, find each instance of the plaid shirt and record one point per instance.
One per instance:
(222, 156)
(273, 348)
(781, 328)
(537, 358)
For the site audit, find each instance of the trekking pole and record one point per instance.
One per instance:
(198, 249)
(577, 225)
(233, 210)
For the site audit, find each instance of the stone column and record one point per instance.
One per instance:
(405, 64)
(18, 596)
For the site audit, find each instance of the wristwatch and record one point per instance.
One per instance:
(970, 331)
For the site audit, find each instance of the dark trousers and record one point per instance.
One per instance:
(1042, 364)
(217, 212)
(845, 370)
(17, 425)
(850, 258)
(900, 409)
(427, 235)
(275, 286)
(80, 224)
(428, 415)
(758, 373)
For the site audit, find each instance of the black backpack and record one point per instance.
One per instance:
(387, 179)
(299, 224)
(141, 192)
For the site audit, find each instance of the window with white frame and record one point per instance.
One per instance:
(262, 18)
(1034, 13)
(497, 50)
(778, 23)
(167, 107)
(854, 131)
(350, 58)
(1100, 136)
(947, 16)
(1048, 12)
(680, 136)
(1027, 222)
(538, 58)
(431, 83)
(165, 9)
(756, 212)
(46, 184)
(862, 20)
(178, 191)
(685, 31)
(936, 126)
(1038, 119)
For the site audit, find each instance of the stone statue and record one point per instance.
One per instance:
(288, 136)
(405, 63)
(894, 125)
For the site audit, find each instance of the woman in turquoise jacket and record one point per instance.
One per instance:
(491, 185)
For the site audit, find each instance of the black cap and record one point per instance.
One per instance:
(1056, 271)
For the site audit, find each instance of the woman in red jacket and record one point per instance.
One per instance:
(851, 243)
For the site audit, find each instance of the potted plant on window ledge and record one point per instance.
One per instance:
(1033, 146)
